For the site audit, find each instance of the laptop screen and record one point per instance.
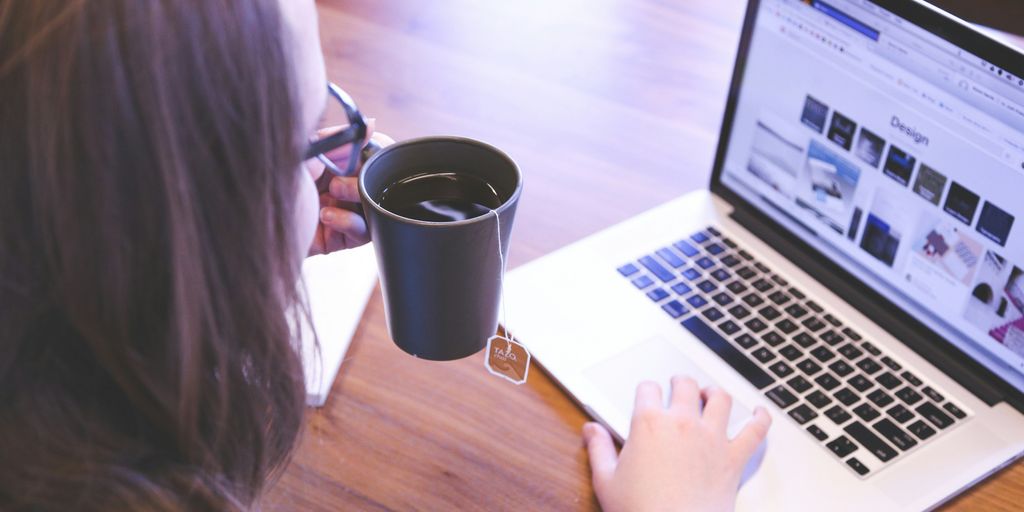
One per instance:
(895, 153)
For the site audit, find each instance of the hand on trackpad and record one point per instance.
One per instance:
(657, 360)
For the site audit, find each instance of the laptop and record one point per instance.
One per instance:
(855, 266)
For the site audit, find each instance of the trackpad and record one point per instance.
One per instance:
(657, 360)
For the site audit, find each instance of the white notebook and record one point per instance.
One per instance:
(338, 287)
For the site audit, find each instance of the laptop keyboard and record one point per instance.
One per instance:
(862, 405)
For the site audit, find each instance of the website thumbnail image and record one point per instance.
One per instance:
(928, 232)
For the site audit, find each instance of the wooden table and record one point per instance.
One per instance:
(610, 107)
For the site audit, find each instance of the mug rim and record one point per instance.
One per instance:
(431, 139)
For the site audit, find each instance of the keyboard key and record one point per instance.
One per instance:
(745, 255)
(753, 300)
(674, 308)
(880, 398)
(722, 298)
(866, 412)
(657, 294)
(817, 432)
(808, 367)
(850, 352)
(871, 348)
(796, 310)
(869, 366)
(832, 320)
(764, 355)
(908, 395)
(900, 413)
(643, 282)
(786, 325)
(746, 273)
(846, 396)
(818, 399)
(781, 396)
(870, 441)
(779, 280)
(841, 446)
(713, 231)
(739, 312)
(822, 354)
(912, 379)
(705, 263)
(681, 288)
(657, 269)
(691, 274)
(713, 314)
(730, 261)
(831, 337)
(860, 383)
(730, 354)
(628, 269)
(838, 415)
(745, 340)
(779, 297)
(697, 301)
(802, 414)
(799, 384)
(736, 287)
(827, 381)
(714, 249)
(852, 334)
(813, 306)
(790, 352)
(773, 338)
(729, 327)
(670, 257)
(954, 410)
(797, 294)
(721, 275)
(728, 243)
(891, 363)
(933, 414)
(934, 395)
(699, 237)
(921, 429)
(804, 340)
(896, 435)
(755, 324)
(781, 369)
(888, 380)
(762, 285)
(685, 248)
(762, 267)
(813, 324)
(769, 313)
(841, 368)
(857, 466)
(707, 286)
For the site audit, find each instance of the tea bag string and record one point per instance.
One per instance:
(501, 284)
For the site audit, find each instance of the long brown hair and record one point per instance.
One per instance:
(149, 155)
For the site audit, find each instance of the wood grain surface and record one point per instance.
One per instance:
(610, 107)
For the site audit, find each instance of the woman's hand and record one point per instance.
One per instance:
(676, 458)
(342, 225)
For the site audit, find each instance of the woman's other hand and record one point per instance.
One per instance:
(676, 458)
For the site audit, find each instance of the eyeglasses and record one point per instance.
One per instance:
(353, 134)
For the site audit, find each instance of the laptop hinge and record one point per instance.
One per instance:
(969, 373)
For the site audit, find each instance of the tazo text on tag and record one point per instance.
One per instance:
(507, 358)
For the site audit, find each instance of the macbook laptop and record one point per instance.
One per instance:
(856, 264)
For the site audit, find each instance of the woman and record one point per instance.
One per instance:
(154, 212)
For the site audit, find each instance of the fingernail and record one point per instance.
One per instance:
(589, 429)
(326, 215)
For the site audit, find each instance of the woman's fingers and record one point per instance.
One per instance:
(746, 442)
(717, 405)
(603, 457)
(344, 189)
(343, 229)
(685, 396)
(648, 396)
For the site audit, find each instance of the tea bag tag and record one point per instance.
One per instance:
(508, 359)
